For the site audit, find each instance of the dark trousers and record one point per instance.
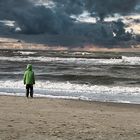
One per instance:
(29, 89)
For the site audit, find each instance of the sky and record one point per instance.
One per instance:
(68, 16)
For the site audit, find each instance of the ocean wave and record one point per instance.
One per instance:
(26, 53)
(68, 90)
(131, 60)
(123, 61)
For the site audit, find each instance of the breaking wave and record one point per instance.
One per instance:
(68, 90)
(122, 61)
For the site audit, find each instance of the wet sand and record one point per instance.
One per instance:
(58, 119)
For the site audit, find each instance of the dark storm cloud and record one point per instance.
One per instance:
(41, 19)
(70, 6)
(34, 18)
(8, 7)
(103, 8)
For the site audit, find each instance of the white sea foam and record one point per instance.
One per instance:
(124, 61)
(74, 91)
(26, 53)
(131, 60)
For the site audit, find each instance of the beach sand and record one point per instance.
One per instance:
(59, 119)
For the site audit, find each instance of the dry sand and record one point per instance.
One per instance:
(57, 119)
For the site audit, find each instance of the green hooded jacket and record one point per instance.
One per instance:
(29, 77)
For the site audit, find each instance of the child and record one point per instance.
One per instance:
(29, 80)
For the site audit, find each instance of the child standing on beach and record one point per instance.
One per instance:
(29, 80)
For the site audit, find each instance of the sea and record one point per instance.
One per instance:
(91, 76)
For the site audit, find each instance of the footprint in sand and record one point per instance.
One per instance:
(30, 122)
(12, 120)
(10, 125)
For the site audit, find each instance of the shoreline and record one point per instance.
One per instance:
(38, 96)
(41, 47)
(16, 44)
(110, 103)
(59, 119)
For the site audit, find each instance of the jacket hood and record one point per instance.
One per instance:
(29, 67)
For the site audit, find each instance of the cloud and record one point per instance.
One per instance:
(54, 16)
(103, 8)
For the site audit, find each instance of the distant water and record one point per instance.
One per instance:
(109, 77)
